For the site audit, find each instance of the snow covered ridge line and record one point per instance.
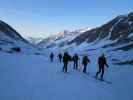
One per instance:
(118, 27)
(34, 41)
(61, 38)
(10, 32)
(112, 34)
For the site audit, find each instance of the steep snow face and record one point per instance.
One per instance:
(10, 38)
(7, 33)
(10, 32)
(120, 28)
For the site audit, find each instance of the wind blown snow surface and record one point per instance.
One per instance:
(33, 77)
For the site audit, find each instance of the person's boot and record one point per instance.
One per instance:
(84, 71)
(101, 78)
(63, 69)
(66, 69)
(96, 77)
(76, 66)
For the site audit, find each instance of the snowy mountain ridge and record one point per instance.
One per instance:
(114, 37)
(10, 38)
(115, 32)
(61, 39)
(117, 29)
(34, 40)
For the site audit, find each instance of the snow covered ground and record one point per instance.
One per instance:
(33, 77)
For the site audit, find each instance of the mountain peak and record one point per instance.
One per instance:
(10, 37)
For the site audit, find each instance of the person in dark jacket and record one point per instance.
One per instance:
(85, 61)
(75, 60)
(102, 63)
(66, 59)
(60, 57)
(51, 56)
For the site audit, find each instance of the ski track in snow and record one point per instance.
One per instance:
(32, 77)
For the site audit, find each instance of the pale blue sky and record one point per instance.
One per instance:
(39, 18)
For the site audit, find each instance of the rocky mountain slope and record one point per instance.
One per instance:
(118, 31)
(115, 38)
(10, 38)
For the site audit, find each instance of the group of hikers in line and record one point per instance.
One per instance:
(66, 58)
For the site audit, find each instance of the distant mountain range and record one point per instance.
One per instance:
(61, 39)
(35, 40)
